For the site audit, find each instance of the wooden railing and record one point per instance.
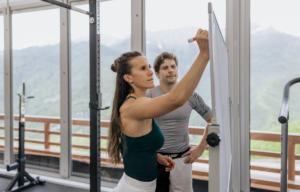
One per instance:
(46, 149)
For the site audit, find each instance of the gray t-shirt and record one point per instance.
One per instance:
(174, 124)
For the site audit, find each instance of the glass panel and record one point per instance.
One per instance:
(115, 30)
(169, 24)
(36, 62)
(80, 91)
(114, 41)
(1, 90)
(170, 32)
(275, 46)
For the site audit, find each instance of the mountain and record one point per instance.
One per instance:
(275, 59)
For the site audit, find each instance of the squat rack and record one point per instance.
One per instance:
(95, 94)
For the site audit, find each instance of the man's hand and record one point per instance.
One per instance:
(166, 161)
(193, 154)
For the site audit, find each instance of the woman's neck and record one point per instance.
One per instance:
(138, 93)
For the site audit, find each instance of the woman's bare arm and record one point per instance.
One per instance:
(146, 108)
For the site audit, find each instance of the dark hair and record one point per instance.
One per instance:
(121, 66)
(161, 58)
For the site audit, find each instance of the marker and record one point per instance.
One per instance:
(191, 40)
(171, 165)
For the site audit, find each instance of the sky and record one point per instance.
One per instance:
(42, 27)
(282, 15)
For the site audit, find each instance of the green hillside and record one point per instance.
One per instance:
(275, 59)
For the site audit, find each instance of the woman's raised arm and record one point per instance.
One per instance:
(146, 108)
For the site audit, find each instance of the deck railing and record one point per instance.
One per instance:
(48, 148)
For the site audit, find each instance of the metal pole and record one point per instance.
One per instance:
(21, 140)
(283, 119)
(21, 155)
(95, 97)
(64, 5)
(284, 153)
(8, 88)
(214, 152)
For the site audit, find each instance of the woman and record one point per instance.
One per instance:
(133, 134)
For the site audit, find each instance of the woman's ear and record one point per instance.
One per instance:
(128, 78)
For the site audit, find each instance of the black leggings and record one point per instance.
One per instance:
(163, 180)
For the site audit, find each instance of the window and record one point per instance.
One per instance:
(115, 30)
(169, 24)
(275, 46)
(36, 62)
(115, 39)
(80, 90)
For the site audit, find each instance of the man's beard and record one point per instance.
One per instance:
(171, 82)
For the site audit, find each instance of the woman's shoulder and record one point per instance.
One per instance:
(131, 103)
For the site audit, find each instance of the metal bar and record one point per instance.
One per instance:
(214, 152)
(238, 42)
(244, 94)
(212, 79)
(64, 5)
(283, 119)
(233, 42)
(214, 162)
(95, 96)
(284, 112)
(8, 87)
(21, 154)
(284, 148)
(138, 33)
(65, 96)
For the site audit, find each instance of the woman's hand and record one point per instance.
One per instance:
(202, 41)
(166, 161)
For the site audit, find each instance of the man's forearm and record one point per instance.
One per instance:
(203, 142)
(202, 145)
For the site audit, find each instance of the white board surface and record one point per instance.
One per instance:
(221, 105)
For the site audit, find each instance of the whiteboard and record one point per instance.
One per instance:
(220, 96)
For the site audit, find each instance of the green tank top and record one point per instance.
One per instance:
(140, 154)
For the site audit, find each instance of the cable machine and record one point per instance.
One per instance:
(284, 120)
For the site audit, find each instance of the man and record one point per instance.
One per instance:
(174, 126)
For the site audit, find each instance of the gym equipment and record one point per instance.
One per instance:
(60, 4)
(22, 177)
(283, 119)
(95, 90)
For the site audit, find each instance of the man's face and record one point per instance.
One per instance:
(167, 73)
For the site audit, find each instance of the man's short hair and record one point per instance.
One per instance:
(161, 58)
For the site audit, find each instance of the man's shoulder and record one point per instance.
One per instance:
(156, 88)
(154, 92)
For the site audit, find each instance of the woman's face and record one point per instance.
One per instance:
(141, 74)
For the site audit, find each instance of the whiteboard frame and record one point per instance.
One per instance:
(214, 152)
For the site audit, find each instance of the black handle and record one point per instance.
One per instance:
(284, 112)
(12, 166)
(213, 139)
